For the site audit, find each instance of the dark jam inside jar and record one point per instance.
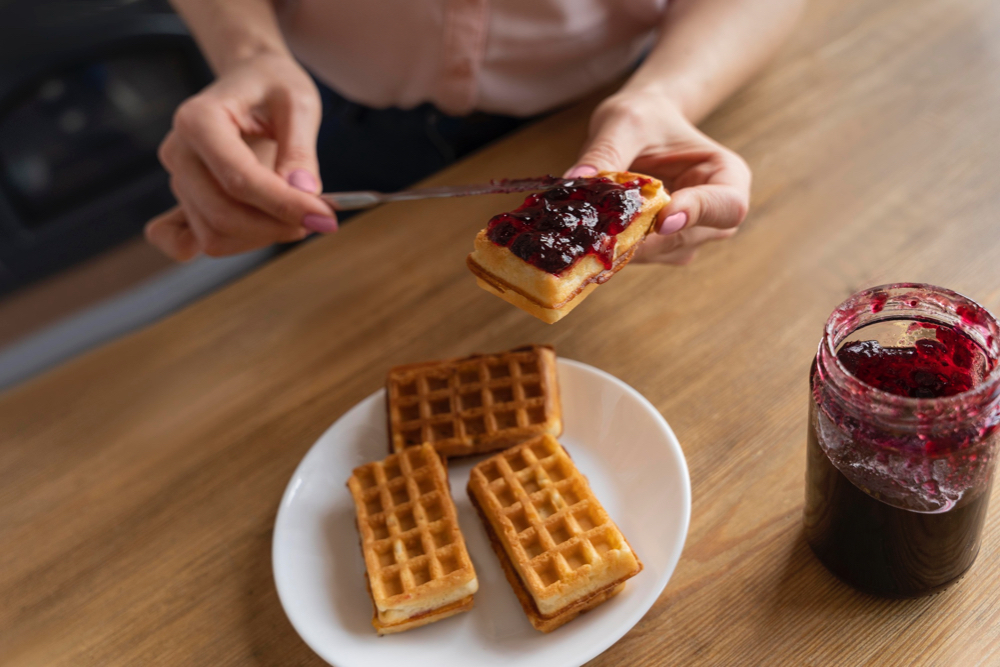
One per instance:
(899, 512)
(939, 362)
(552, 230)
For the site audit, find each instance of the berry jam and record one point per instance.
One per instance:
(897, 493)
(946, 365)
(552, 230)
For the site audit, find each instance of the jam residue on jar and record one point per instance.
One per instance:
(948, 364)
(551, 230)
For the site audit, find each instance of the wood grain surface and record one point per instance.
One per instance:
(139, 484)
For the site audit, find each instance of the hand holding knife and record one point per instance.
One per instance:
(173, 229)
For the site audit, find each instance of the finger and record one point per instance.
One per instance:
(194, 186)
(728, 168)
(170, 233)
(266, 151)
(296, 124)
(719, 206)
(678, 248)
(614, 142)
(681, 257)
(216, 139)
(721, 199)
(211, 242)
(167, 150)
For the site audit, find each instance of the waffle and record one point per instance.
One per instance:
(561, 552)
(548, 296)
(418, 569)
(476, 404)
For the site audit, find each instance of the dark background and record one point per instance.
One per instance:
(87, 92)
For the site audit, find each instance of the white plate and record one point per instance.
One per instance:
(617, 439)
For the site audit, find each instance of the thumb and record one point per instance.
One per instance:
(613, 145)
(297, 122)
(171, 234)
(712, 205)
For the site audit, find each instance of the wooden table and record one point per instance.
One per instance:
(139, 484)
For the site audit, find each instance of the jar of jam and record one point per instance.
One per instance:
(904, 410)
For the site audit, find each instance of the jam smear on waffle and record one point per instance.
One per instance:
(553, 229)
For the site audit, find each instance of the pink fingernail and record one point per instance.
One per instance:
(581, 171)
(300, 179)
(320, 223)
(673, 223)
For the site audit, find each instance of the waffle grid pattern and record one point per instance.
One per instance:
(547, 504)
(408, 524)
(457, 404)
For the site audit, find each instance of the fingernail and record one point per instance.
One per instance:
(300, 179)
(673, 223)
(320, 223)
(581, 171)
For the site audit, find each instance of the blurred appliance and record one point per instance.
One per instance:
(87, 91)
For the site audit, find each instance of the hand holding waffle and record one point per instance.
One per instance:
(709, 184)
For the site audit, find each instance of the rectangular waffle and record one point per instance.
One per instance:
(475, 404)
(550, 297)
(418, 569)
(560, 551)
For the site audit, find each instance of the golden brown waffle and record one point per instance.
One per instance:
(418, 568)
(561, 552)
(476, 404)
(550, 297)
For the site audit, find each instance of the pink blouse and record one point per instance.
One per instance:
(517, 57)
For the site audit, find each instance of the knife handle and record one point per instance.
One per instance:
(350, 201)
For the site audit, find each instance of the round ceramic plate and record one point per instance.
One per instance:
(617, 439)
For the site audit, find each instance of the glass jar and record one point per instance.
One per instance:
(902, 438)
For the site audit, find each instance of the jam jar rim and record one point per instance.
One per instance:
(979, 394)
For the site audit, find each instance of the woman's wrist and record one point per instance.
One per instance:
(232, 32)
(671, 95)
(246, 50)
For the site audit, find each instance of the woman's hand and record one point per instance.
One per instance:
(709, 184)
(242, 163)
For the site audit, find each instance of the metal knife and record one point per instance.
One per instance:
(347, 201)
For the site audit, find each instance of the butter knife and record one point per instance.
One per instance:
(348, 201)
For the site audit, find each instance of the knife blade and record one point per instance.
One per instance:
(358, 199)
